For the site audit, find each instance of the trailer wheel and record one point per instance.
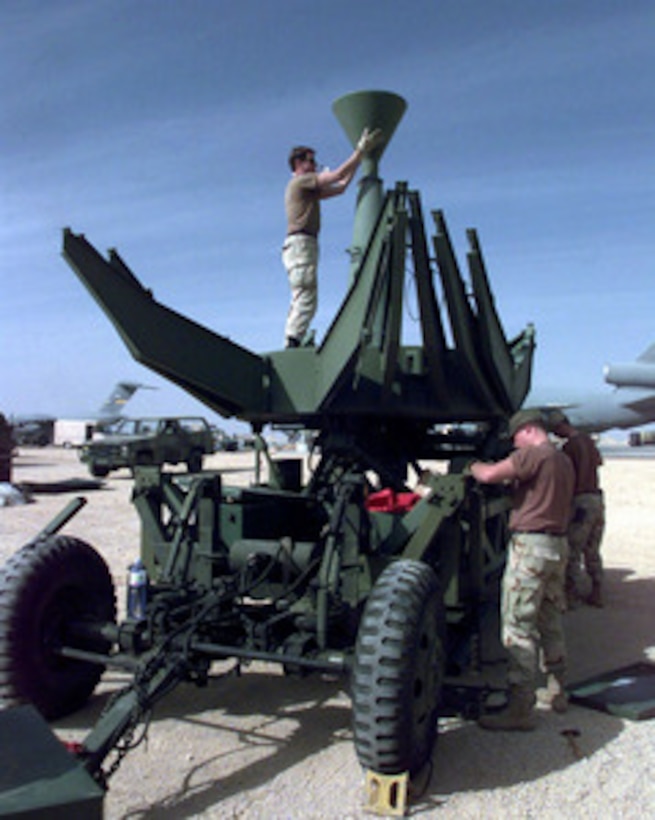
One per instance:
(99, 471)
(44, 588)
(398, 672)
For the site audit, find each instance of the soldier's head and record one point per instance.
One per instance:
(302, 158)
(559, 424)
(527, 427)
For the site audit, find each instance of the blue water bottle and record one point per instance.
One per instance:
(137, 591)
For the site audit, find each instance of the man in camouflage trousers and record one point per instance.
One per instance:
(588, 520)
(542, 480)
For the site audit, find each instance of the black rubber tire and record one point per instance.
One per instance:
(194, 463)
(398, 671)
(44, 587)
(99, 472)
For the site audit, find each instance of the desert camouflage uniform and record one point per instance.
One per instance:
(532, 604)
(585, 535)
(533, 581)
(585, 530)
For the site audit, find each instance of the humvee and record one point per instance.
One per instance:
(169, 440)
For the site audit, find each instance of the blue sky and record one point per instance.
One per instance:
(161, 128)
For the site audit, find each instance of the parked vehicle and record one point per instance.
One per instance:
(169, 440)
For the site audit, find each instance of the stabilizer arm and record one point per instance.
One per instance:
(221, 374)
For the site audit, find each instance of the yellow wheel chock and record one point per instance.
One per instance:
(386, 794)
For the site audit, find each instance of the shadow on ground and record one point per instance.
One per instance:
(265, 723)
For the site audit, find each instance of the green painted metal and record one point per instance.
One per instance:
(361, 368)
(39, 778)
(355, 112)
(282, 571)
(223, 375)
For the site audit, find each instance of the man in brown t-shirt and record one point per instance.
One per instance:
(587, 523)
(306, 188)
(542, 480)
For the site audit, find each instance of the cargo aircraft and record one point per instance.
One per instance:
(38, 429)
(630, 402)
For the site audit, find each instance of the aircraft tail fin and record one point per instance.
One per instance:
(648, 355)
(118, 398)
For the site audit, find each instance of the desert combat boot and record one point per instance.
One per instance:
(596, 596)
(517, 716)
(554, 694)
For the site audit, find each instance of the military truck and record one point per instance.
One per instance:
(169, 440)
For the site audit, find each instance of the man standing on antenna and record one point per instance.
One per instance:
(306, 188)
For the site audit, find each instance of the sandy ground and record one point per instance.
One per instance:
(265, 746)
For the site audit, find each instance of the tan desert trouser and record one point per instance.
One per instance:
(300, 258)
